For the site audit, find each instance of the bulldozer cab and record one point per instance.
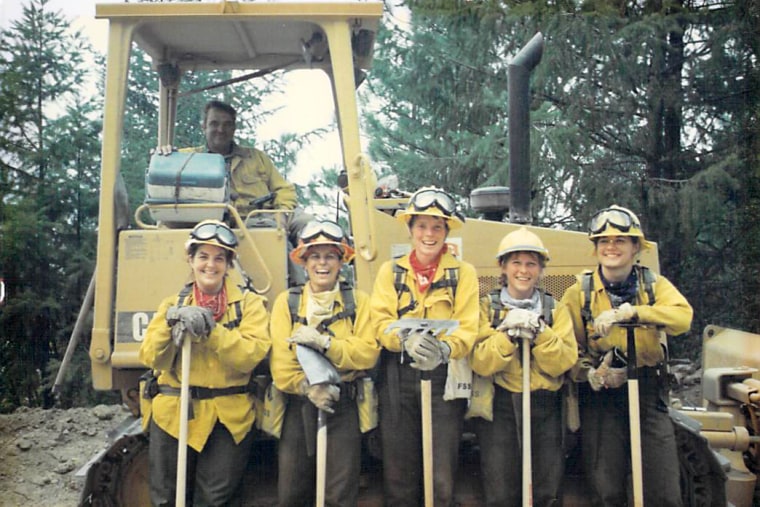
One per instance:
(140, 264)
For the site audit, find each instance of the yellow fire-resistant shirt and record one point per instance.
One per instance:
(670, 313)
(253, 175)
(553, 353)
(352, 348)
(225, 359)
(432, 304)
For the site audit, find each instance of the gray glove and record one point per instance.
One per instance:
(427, 351)
(605, 376)
(198, 321)
(608, 318)
(521, 318)
(323, 396)
(309, 336)
(521, 324)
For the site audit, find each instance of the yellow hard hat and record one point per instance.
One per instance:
(522, 240)
(434, 202)
(321, 232)
(616, 221)
(213, 232)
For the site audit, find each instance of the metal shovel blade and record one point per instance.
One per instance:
(318, 369)
(432, 326)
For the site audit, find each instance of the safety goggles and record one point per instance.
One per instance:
(425, 199)
(219, 232)
(618, 218)
(316, 228)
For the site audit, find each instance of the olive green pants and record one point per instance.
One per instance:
(606, 450)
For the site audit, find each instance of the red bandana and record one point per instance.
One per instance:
(424, 274)
(217, 303)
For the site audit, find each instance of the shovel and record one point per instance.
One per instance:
(634, 415)
(318, 370)
(184, 403)
(434, 327)
(527, 469)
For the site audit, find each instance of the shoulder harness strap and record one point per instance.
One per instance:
(587, 285)
(238, 313)
(496, 307)
(348, 312)
(294, 302)
(182, 296)
(450, 279)
(547, 305)
(645, 274)
(399, 273)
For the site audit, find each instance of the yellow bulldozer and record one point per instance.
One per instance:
(139, 258)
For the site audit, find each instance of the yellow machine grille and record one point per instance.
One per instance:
(556, 285)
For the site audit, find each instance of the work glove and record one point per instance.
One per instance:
(310, 337)
(323, 396)
(606, 376)
(197, 321)
(608, 318)
(521, 318)
(427, 351)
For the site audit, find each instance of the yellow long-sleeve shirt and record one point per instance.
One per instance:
(432, 304)
(225, 359)
(554, 352)
(671, 313)
(353, 347)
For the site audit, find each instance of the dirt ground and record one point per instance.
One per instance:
(42, 450)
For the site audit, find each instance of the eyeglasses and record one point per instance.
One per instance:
(424, 199)
(327, 257)
(219, 232)
(316, 228)
(616, 217)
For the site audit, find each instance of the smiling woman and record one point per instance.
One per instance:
(329, 316)
(229, 332)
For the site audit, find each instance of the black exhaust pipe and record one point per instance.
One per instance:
(520, 69)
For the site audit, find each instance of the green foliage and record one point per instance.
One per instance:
(49, 187)
(48, 196)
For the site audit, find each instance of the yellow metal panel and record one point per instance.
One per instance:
(724, 347)
(153, 265)
(272, 9)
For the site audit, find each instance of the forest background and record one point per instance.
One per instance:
(650, 104)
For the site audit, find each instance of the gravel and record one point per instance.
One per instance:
(42, 450)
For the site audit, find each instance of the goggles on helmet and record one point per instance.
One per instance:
(619, 218)
(215, 231)
(428, 198)
(317, 228)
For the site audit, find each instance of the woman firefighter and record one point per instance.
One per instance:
(230, 336)
(428, 283)
(331, 317)
(620, 291)
(520, 314)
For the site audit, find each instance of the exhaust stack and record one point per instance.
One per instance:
(520, 69)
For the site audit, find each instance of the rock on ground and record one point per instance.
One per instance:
(41, 451)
